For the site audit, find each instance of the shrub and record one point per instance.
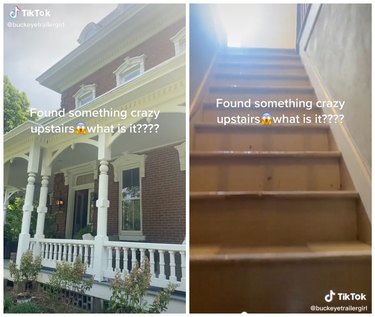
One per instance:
(128, 294)
(27, 271)
(8, 303)
(25, 308)
(70, 277)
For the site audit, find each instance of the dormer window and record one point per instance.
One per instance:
(84, 95)
(179, 41)
(129, 69)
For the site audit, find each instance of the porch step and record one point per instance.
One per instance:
(278, 218)
(236, 170)
(278, 279)
(212, 136)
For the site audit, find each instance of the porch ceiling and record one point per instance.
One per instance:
(171, 130)
(72, 156)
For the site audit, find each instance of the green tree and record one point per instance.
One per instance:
(16, 106)
(13, 221)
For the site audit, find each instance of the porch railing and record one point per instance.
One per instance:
(167, 261)
(55, 250)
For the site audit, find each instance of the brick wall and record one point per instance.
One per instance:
(163, 199)
(157, 49)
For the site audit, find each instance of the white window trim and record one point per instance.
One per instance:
(83, 91)
(126, 162)
(130, 62)
(176, 39)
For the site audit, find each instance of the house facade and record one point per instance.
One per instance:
(109, 165)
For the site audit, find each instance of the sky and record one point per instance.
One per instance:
(29, 52)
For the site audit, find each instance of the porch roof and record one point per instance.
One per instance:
(160, 88)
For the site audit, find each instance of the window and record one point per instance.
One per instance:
(129, 169)
(131, 200)
(129, 69)
(179, 41)
(84, 95)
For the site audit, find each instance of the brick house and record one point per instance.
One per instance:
(125, 188)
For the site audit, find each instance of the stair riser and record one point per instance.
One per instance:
(259, 64)
(260, 81)
(278, 287)
(273, 60)
(281, 71)
(255, 56)
(220, 174)
(259, 51)
(210, 114)
(260, 96)
(271, 221)
(261, 139)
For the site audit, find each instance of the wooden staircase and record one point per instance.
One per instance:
(275, 222)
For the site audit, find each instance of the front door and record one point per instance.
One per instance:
(81, 198)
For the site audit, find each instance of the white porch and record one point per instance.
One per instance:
(167, 261)
(32, 160)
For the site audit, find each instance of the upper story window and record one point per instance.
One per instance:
(84, 95)
(179, 41)
(129, 69)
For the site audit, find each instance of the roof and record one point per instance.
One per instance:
(123, 29)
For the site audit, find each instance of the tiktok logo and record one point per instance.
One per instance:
(329, 297)
(14, 13)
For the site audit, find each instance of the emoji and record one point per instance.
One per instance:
(266, 118)
(80, 128)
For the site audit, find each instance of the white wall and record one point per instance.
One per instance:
(340, 49)
(336, 50)
(260, 25)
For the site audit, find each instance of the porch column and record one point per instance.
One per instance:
(32, 169)
(42, 207)
(104, 155)
(102, 203)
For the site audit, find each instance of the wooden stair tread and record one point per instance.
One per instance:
(212, 253)
(260, 89)
(256, 55)
(259, 50)
(269, 76)
(212, 106)
(254, 64)
(277, 194)
(212, 125)
(263, 154)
